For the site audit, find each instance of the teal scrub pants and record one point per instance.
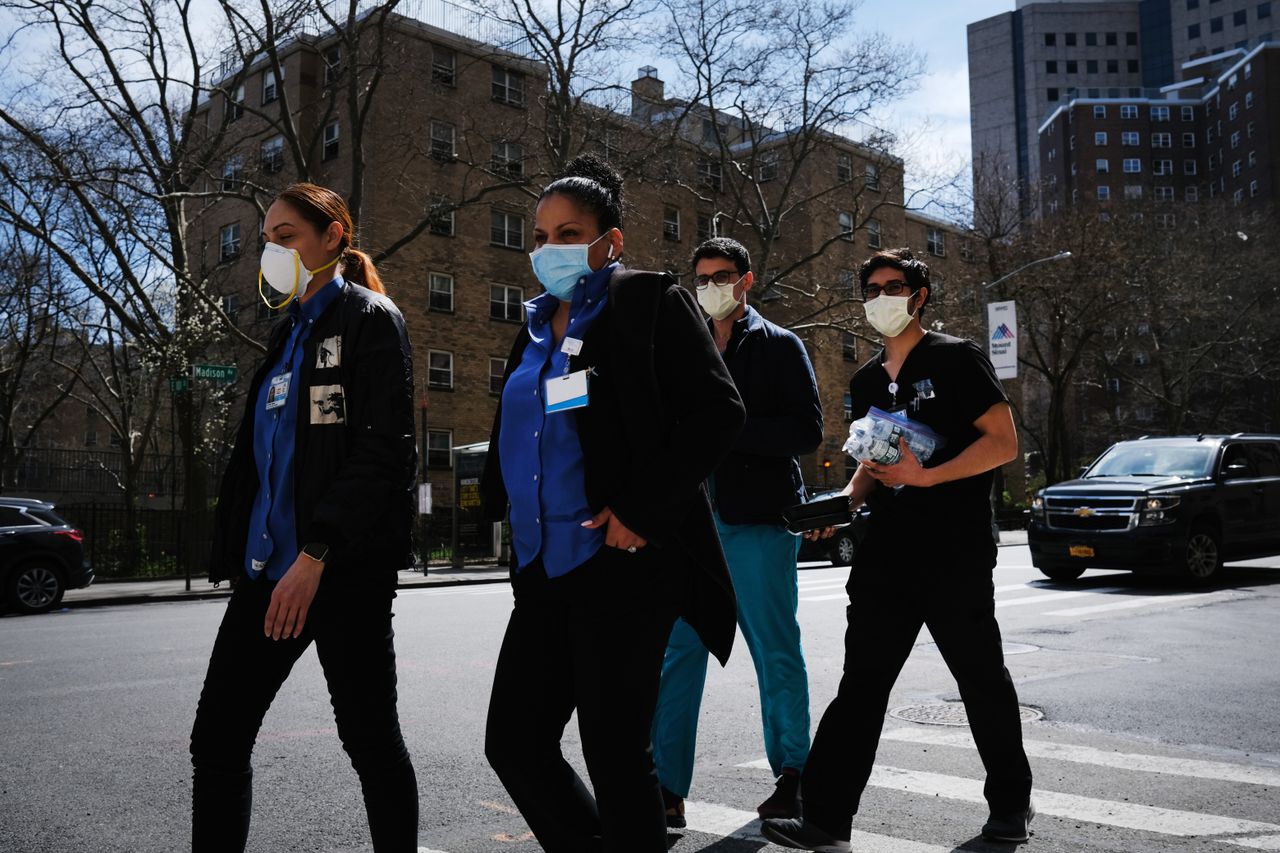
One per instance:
(762, 561)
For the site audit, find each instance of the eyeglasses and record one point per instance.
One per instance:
(720, 277)
(889, 288)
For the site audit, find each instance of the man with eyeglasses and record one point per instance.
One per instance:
(749, 490)
(927, 559)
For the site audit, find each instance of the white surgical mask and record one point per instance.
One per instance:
(889, 314)
(559, 266)
(283, 270)
(718, 299)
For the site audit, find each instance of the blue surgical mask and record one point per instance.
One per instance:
(558, 266)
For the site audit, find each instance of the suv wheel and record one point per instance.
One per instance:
(843, 549)
(35, 588)
(1064, 572)
(1202, 556)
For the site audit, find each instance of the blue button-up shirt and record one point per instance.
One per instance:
(542, 461)
(273, 536)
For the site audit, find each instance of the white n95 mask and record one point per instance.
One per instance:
(283, 270)
(718, 299)
(889, 314)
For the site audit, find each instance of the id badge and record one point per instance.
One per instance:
(278, 392)
(567, 392)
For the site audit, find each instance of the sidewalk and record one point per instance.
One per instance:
(111, 592)
(1013, 537)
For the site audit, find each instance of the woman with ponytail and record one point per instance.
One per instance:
(313, 522)
(615, 408)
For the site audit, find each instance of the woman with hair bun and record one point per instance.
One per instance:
(615, 408)
(313, 522)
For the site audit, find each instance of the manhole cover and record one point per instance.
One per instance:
(950, 714)
(1009, 648)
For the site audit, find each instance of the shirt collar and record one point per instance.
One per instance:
(591, 289)
(751, 321)
(319, 301)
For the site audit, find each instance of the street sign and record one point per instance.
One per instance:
(224, 373)
(1002, 338)
(178, 386)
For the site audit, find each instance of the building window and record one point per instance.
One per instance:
(1164, 193)
(1189, 167)
(1248, 100)
(331, 143)
(1162, 167)
(768, 169)
(709, 174)
(1100, 137)
(508, 86)
(1133, 192)
(1264, 10)
(849, 346)
(506, 229)
(1233, 111)
(231, 306)
(1239, 18)
(1131, 38)
(1253, 189)
(1073, 67)
(847, 284)
(1193, 31)
(1215, 24)
(235, 103)
(1141, 359)
(1253, 158)
(848, 407)
(440, 218)
(269, 90)
(966, 250)
(1188, 113)
(1128, 111)
(1130, 138)
(1188, 140)
(1102, 166)
(272, 154)
(1113, 67)
(872, 176)
(1050, 39)
(332, 64)
(1099, 111)
(1051, 95)
(873, 233)
(671, 224)
(439, 369)
(1091, 66)
(1159, 113)
(844, 168)
(1071, 39)
(443, 141)
(706, 227)
(229, 242)
(232, 175)
(507, 159)
(844, 224)
(1133, 67)
(440, 449)
(440, 295)
(1104, 193)
(1249, 129)
(1192, 194)
(1051, 66)
(1162, 140)
(1237, 168)
(937, 242)
(1090, 39)
(444, 65)
(1132, 166)
(497, 369)
(506, 303)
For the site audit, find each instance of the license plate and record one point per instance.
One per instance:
(1080, 551)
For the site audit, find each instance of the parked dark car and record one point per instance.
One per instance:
(842, 547)
(41, 555)
(1178, 505)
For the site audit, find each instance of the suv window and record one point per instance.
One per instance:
(13, 517)
(1265, 456)
(47, 517)
(1237, 462)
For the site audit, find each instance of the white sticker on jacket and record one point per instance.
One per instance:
(329, 353)
(328, 404)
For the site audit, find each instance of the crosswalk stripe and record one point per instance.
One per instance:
(1189, 767)
(1260, 842)
(1055, 596)
(825, 597)
(1144, 601)
(831, 584)
(1152, 819)
(714, 819)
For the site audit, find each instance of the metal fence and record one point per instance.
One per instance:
(153, 543)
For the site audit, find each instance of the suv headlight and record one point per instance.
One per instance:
(1156, 511)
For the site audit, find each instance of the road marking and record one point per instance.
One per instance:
(1144, 601)
(429, 850)
(1190, 767)
(714, 819)
(1152, 819)
(843, 595)
(1261, 842)
(1056, 596)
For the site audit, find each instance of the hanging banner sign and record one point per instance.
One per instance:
(1002, 338)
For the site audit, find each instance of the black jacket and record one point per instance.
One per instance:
(771, 370)
(663, 408)
(354, 470)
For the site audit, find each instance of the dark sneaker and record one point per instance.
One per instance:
(795, 833)
(675, 810)
(785, 800)
(1014, 828)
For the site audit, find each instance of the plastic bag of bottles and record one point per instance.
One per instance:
(877, 437)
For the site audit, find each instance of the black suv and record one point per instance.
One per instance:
(41, 556)
(1177, 505)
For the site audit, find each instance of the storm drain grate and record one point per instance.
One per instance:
(950, 714)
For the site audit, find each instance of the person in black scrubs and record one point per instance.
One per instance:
(614, 410)
(314, 520)
(927, 560)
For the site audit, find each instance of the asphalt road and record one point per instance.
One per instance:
(1160, 727)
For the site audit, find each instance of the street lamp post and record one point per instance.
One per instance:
(1061, 256)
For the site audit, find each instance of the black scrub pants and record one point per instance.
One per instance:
(888, 605)
(350, 622)
(591, 641)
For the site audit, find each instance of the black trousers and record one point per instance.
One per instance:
(888, 604)
(593, 641)
(350, 622)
